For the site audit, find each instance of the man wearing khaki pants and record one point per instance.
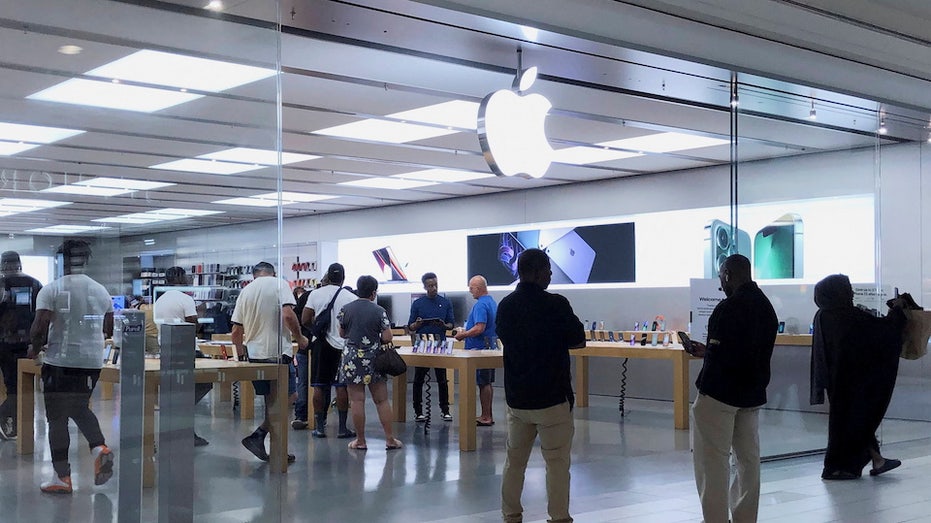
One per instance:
(537, 329)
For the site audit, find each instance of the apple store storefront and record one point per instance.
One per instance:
(402, 140)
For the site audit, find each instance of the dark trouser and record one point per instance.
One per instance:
(303, 375)
(8, 356)
(419, 374)
(201, 390)
(67, 393)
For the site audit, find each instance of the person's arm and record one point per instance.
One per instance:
(108, 324)
(290, 322)
(237, 337)
(476, 330)
(414, 321)
(449, 319)
(386, 334)
(38, 333)
(307, 316)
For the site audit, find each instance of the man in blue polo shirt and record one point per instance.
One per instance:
(431, 314)
(480, 334)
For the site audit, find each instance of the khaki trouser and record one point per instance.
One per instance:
(717, 428)
(556, 428)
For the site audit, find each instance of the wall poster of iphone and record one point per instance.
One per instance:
(721, 241)
(777, 249)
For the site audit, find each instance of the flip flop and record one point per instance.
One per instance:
(887, 466)
(354, 445)
(394, 447)
(481, 423)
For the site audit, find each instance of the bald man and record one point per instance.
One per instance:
(480, 334)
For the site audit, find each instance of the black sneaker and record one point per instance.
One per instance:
(447, 416)
(348, 433)
(256, 445)
(200, 442)
(298, 424)
(8, 429)
(318, 432)
(420, 418)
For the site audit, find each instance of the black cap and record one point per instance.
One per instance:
(9, 258)
(336, 273)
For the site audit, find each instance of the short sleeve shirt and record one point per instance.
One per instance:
(258, 310)
(363, 321)
(484, 311)
(75, 336)
(318, 301)
(428, 308)
(173, 306)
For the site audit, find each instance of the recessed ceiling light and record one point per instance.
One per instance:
(78, 91)
(214, 5)
(154, 68)
(457, 113)
(665, 142)
(530, 33)
(87, 190)
(257, 156)
(250, 202)
(16, 138)
(135, 218)
(295, 197)
(384, 131)
(157, 215)
(124, 183)
(186, 213)
(387, 183)
(444, 175)
(67, 229)
(70, 49)
(585, 155)
(18, 205)
(195, 165)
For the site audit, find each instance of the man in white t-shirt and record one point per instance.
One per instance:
(326, 352)
(264, 324)
(175, 306)
(73, 316)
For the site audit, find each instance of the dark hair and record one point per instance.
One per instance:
(427, 276)
(366, 286)
(531, 261)
(336, 274)
(75, 252)
(263, 267)
(738, 265)
(176, 276)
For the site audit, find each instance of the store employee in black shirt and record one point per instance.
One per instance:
(732, 388)
(537, 329)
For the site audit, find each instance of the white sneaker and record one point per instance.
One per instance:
(7, 429)
(57, 485)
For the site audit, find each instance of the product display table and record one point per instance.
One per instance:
(674, 353)
(205, 371)
(466, 362)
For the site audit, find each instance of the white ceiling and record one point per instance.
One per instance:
(343, 63)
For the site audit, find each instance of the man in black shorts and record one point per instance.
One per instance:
(326, 351)
(262, 308)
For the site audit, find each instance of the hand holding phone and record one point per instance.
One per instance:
(694, 348)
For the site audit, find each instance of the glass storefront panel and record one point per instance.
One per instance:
(129, 128)
(822, 209)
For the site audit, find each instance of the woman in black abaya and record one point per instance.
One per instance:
(855, 357)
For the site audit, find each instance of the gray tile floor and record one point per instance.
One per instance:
(627, 469)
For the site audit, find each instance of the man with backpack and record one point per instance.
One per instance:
(17, 311)
(326, 349)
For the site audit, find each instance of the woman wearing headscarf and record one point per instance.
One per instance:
(855, 358)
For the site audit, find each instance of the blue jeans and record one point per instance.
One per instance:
(303, 375)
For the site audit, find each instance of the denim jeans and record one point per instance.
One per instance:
(303, 375)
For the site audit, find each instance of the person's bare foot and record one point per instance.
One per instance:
(357, 445)
(484, 422)
(393, 444)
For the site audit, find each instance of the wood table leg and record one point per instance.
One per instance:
(148, 433)
(26, 407)
(246, 400)
(226, 391)
(278, 418)
(399, 398)
(680, 391)
(467, 409)
(451, 385)
(106, 390)
(581, 381)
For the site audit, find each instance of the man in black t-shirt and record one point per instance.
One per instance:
(17, 311)
(537, 329)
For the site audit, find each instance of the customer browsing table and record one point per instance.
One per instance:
(205, 371)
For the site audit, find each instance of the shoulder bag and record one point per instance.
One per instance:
(388, 361)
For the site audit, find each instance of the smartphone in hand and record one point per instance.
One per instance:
(686, 343)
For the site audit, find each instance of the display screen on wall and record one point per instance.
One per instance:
(578, 255)
(399, 261)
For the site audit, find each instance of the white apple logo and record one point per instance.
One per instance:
(511, 130)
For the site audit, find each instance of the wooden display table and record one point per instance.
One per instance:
(466, 362)
(205, 371)
(674, 353)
